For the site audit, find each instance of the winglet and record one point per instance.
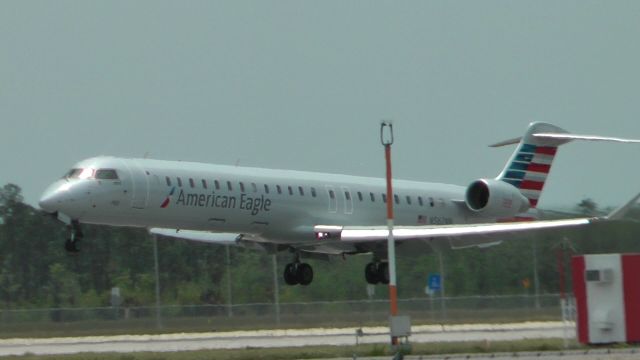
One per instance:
(620, 212)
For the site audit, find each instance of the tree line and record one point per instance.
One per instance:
(36, 271)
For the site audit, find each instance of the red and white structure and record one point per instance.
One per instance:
(607, 292)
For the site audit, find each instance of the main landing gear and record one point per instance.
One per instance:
(298, 273)
(75, 235)
(377, 272)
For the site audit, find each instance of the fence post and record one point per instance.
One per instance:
(276, 289)
(157, 271)
(229, 298)
(443, 304)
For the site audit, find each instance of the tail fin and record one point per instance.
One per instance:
(530, 164)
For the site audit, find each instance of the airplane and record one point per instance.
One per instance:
(313, 214)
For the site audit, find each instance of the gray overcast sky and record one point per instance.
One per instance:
(303, 85)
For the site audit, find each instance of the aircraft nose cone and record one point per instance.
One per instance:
(47, 202)
(51, 198)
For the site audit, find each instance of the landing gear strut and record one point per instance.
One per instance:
(298, 273)
(75, 235)
(377, 272)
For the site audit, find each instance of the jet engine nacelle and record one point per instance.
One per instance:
(495, 198)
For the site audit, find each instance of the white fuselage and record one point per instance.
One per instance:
(281, 206)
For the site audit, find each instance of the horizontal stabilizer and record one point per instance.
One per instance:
(201, 236)
(566, 137)
(561, 136)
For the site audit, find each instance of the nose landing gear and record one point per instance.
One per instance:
(71, 244)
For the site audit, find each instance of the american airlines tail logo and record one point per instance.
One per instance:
(529, 169)
(166, 201)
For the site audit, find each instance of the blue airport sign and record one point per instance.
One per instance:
(434, 282)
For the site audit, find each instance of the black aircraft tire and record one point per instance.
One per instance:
(68, 245)
(71, 246)
(371, 273)
(290, 274)
(305, 274)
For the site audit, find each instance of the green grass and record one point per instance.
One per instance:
(174, 324)
(321, 352)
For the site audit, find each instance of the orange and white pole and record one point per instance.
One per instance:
(386, 137)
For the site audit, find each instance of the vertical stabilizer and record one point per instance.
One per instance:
(530, 164)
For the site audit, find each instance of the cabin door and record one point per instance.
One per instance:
(139, 184)
(333, 199)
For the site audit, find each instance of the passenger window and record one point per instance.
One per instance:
(332, 195)
(359, 196)
(106, 174)
(216, 183)
(204, 183)
(396, 198)
(347, 195)
(241, 186)
(372, 196)
(179, 182)
(192, 183)
(229, 186)
(384, 198)
(300, 190)
(168, 180)
(408, 200)
(420, 201)
(254, 187)
(279, 189)
(266, 188)
(431, 203)
(290, 190)
(313, 191)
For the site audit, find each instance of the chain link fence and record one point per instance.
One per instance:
(190, 318)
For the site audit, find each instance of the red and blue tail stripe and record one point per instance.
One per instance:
(528, 170)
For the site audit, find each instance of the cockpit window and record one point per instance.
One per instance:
(106, 174)
(80, 173)
(73, 173)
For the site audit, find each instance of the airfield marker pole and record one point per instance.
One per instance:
(391, 247)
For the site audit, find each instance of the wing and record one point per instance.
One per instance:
(201, 236)
(356, 234)
(364, 234)
(307, 249)
(230, 239)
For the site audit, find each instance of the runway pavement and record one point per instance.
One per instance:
(280, 338)
(597, 354)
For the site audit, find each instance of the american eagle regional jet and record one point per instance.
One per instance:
(312, 214)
